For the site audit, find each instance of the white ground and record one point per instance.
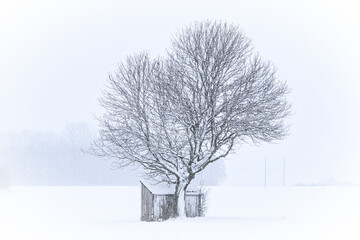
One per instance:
(234, 213)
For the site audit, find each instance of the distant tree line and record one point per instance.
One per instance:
(49, 158)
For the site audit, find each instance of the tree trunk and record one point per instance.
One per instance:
(180, 198)
(181, 203)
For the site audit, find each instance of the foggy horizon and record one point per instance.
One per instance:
(55, 62)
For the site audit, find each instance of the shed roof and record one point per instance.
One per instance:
(166, 189)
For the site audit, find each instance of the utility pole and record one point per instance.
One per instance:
(284, 173)
(265, 174)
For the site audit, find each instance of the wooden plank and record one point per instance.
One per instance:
(146, 204)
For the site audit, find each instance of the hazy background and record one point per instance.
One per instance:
(55, 57)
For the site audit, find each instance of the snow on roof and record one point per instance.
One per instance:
(165, 188)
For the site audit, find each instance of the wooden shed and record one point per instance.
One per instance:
(158, 201)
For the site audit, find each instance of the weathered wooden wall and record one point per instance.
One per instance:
(193, 205)
(147, 199)
(164, 207)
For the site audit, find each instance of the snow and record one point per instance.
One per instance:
(234, 213)
(164, 188)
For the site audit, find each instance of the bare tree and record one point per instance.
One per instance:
(175, 116)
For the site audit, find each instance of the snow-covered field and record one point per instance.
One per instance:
(234, 213)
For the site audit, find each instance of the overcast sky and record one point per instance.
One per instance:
(55, 57)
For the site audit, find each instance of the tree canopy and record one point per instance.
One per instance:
(176, 115)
